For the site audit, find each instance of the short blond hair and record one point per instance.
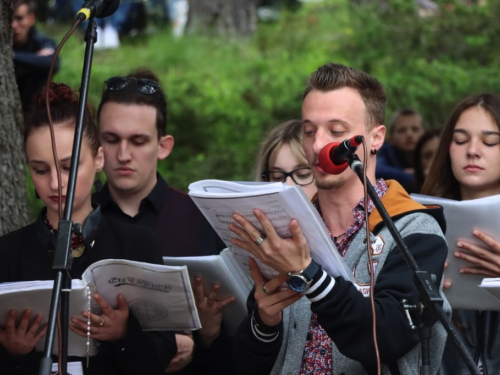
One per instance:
(286, 133)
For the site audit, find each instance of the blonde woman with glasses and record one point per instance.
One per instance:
(281, 158)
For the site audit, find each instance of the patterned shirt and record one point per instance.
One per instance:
(317, 357)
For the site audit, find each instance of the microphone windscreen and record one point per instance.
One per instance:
(326, 163)
(110, 6)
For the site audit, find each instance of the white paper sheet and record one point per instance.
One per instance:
(160, 297)
(462, 217)
(219, 200)
(232, 279)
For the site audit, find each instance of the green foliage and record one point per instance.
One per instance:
(225, 94)
(428, 62)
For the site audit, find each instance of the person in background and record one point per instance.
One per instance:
(33, 52)
(395, 158)
(467, 166)
(27, 254)
(132, 120)
(281, 158)
(322, 324)
(425, 150)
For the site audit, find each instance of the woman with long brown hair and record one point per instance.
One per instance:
(27, 254)
(467, 166)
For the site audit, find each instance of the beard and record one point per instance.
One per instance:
(330, 182)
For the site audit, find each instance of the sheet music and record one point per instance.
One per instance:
(462, 217)
(160, 297)
(233, 282)
(280, 203)
(36, 295)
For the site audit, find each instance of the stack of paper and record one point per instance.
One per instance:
(219, 200)
(462, 217)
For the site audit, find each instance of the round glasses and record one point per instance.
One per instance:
(301, 176)
(144, 85)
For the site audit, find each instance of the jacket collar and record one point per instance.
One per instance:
(398, 203)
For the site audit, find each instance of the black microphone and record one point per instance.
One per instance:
(333, 157)
(97, 8)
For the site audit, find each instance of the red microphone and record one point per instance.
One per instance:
(333, 157)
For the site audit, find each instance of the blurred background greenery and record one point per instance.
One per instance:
(224, 93)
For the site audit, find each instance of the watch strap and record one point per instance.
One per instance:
(310, 271)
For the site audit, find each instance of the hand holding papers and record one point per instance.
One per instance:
(224, 270)
(280, 203)
(462, 218)
(160, 297)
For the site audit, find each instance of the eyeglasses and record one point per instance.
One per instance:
(301, 176)
(144, 85)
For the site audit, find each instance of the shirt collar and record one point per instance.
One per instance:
(156, 197)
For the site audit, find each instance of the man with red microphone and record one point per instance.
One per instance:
(321, 324)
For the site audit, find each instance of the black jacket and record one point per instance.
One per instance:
(31, 69)
(480, 332)
(27, 254)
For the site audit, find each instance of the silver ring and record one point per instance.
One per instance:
(261, 239)
(265, 289)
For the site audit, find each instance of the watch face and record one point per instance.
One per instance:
(297, 284)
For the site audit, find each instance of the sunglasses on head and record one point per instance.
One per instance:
(144, 85)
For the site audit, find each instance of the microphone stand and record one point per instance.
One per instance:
(431, 302)
(62, 256)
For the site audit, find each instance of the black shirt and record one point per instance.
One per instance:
(181, 228)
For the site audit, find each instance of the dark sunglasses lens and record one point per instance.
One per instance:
(146, 86)
(116, 83)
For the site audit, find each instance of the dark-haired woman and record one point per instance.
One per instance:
(27, 253)
(467, 166)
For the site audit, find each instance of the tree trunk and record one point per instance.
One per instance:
(223, 17)
(13, 198)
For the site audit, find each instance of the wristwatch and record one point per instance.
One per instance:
(301, 281)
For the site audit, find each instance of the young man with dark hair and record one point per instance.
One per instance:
(132, 126)
(325, 326)
(33, 52)
(395, 159)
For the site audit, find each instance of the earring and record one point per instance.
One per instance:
(97, 185)
(374, 151)
(36, 195)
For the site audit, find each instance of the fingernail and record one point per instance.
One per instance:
(475, 233)
(457, 254)
(459, 244)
